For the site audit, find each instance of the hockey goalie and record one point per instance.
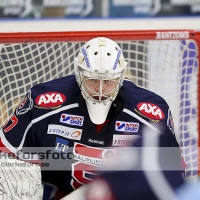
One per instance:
(75, 122)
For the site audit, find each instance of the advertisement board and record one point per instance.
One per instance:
(46, 8)
(149, 8)
(97, 9)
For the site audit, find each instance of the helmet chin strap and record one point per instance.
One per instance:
(98, 111)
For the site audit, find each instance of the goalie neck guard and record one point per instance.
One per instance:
(99, 69)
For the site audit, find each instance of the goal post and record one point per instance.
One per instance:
(164, 61)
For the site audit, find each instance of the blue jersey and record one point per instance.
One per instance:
(54, 115)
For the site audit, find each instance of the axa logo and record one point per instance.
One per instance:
(150, 110)
(50, 99)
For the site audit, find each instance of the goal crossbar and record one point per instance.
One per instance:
(75, 36)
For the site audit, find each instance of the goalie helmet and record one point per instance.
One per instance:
(99, 69)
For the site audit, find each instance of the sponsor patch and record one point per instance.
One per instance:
(126, 126)
(61, 145)
(66, 132)
(71, 119)
(170, 122)
(93, 155)
(150, 111)
(25, 105)
(123, 140)
(50, 100)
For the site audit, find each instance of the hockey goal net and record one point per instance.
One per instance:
(166, 62)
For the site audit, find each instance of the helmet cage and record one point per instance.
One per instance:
(99, 96)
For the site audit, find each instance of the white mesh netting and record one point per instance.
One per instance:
(169, 68)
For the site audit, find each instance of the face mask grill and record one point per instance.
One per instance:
(100, 88)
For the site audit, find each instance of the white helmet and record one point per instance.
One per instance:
(99, 59)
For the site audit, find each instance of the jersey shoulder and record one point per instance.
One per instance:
(145, 103)
(133, 91)
(55, 93)
(63, 83)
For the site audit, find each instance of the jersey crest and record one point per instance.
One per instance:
(25, 105)
(170, 122)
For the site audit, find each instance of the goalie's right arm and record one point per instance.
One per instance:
(19, 180)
